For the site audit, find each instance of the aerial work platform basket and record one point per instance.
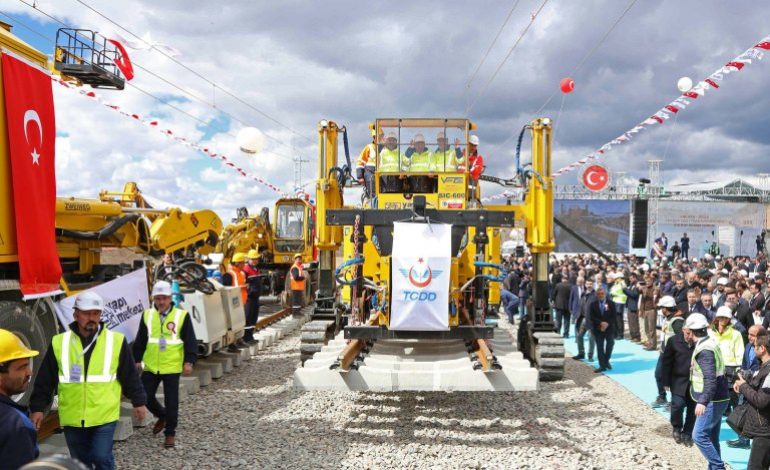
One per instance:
(88, 57)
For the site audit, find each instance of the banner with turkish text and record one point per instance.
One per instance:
(421, 263)
(125, 298)
(29, 112)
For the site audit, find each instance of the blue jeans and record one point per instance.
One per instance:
(93, 445)
(705, 434)
(510, 303)
(522, 308)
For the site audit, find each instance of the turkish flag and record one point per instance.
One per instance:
(31, 139)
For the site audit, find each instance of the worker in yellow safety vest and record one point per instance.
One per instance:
(445, 158)
(730, 342)
(390, 156)
(297, 278)
(166, 345)
(367, 163)
(708, 388)
(91, 367)
(418, 156)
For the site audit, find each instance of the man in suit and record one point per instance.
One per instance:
(602, 315)
(675, 377)
(561, 295)
(583, 324)
(685, 246)
(632, 307)
(757, 301)
(692, 304)
(707, 302)
(574, 299)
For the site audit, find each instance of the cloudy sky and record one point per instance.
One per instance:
(298, 62)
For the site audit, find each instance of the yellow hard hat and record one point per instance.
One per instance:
(297, 255)
(374, 133)
(12, 348)
(253, 254)
(239, 257)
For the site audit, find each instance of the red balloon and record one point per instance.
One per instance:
(567, 85)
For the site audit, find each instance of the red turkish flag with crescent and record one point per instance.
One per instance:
(31, 124)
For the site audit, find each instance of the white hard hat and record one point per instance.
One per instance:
(89, 300)
(419, 138)
(722, 281)
(743, 272)
(392, 135)
(667, 301)
(696, 321)
(440, 136)
(724, 271)
(473, 140)
(161, 288)
(724, 311)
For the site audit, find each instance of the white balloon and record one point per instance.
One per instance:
(684, 84)
(250, 140)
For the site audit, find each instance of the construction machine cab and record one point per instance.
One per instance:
(420, 156)
(293, 228)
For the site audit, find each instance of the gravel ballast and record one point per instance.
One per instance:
(252, 418)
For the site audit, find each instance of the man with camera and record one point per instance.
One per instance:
(756, 392)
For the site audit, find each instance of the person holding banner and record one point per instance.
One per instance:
(91, 366)
(166, 345)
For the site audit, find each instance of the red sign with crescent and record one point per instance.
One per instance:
(595, 178)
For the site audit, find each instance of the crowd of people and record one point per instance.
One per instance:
(707, 317)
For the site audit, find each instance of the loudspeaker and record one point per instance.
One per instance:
(639, 224)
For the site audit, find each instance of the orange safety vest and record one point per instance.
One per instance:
(293, 283)
(239, 280)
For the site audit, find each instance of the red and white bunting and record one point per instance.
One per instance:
(154, 123)
(755, 52)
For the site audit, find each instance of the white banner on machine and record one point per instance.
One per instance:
(421, 263)
(125, 298)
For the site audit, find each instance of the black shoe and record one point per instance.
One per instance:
(599, 370)
(609, 366)
(677, 436)
(739, 443)
(659, 402)
(590, 359)
(687, 440)
(579, 357)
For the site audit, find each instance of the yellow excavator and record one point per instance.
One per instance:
(292, 231)
(85, 227)
(363, 295)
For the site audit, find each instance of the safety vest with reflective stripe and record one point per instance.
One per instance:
(93, 398)
(389, 160)
(366, 157)
(730, 345)
(420, 161)
(294, 284)
(696, 374)
(239, 280)
(668, 331)
(444, 160)
(170, 360)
